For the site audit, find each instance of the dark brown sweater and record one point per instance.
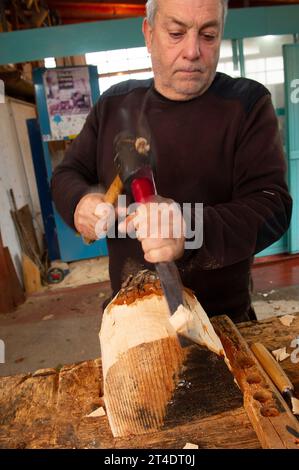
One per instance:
(221, 149)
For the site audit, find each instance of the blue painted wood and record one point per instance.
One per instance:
(291, 70)
(71, 245)
(41, 101)
(294, 155)
(43, 188)
(94, 83)
(282, 245)
(77, 39)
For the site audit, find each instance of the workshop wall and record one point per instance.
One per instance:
(16, 172)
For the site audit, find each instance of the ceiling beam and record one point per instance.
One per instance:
(92, 11)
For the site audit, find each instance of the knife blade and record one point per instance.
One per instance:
(171, 284)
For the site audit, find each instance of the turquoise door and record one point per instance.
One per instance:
(291, 70)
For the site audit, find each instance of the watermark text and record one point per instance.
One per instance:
(154, 220)
(2, 352)
(2, 92)
(295, 92)
(295, 354)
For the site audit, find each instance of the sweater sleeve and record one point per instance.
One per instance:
(76, 175)
(260, 209)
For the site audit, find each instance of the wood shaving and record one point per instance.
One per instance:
(48, 317)
(287, 320)
(295, 405)
(96, 413)
(189, 445)
(280, 354)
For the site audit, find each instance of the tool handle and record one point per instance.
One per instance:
(272, 367)
(110, 197)
(114, 190)
(142, 189)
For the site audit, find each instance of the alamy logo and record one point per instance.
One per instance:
(2, 92)
(2, 352)
(295, 92)
(295, 353)
(157, 220)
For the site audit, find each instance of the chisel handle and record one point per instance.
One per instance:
(272, 367)
(110, 197)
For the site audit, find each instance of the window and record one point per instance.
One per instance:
(120, 65)
(226, 64)
(50, 63)
(266, 64)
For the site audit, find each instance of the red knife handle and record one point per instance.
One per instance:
(142, 189)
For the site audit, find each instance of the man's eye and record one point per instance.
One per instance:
(176, 34)
(209, 37)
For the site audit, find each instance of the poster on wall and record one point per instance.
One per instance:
(68, 96)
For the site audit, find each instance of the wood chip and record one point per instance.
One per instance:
(189, 445)
(48, 317)
(287, 320)
(96, 413)
(280, 354)
(295, 405)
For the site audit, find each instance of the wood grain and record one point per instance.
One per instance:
(270, 416)
(31, 274)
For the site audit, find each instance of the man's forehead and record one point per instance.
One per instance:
(166, 4)
(186, 11)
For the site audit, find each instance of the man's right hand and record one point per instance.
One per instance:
(89, 211)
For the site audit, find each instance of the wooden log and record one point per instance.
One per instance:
(270, 416)
(142, 356)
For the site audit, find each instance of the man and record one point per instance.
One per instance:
(215, 140)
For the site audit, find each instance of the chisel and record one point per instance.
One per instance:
(277, 375)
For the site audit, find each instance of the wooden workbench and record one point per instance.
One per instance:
(48, 409)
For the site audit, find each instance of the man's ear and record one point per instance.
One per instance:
(147, 33)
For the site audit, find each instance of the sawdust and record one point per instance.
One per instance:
(295, 405)
(84, 272)
(275, 308)
(287, 320)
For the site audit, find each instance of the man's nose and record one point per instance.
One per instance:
(192, 47)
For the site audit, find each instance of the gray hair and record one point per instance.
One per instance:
(152, 7)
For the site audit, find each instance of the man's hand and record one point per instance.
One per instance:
(92, 216)
(160, 227)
